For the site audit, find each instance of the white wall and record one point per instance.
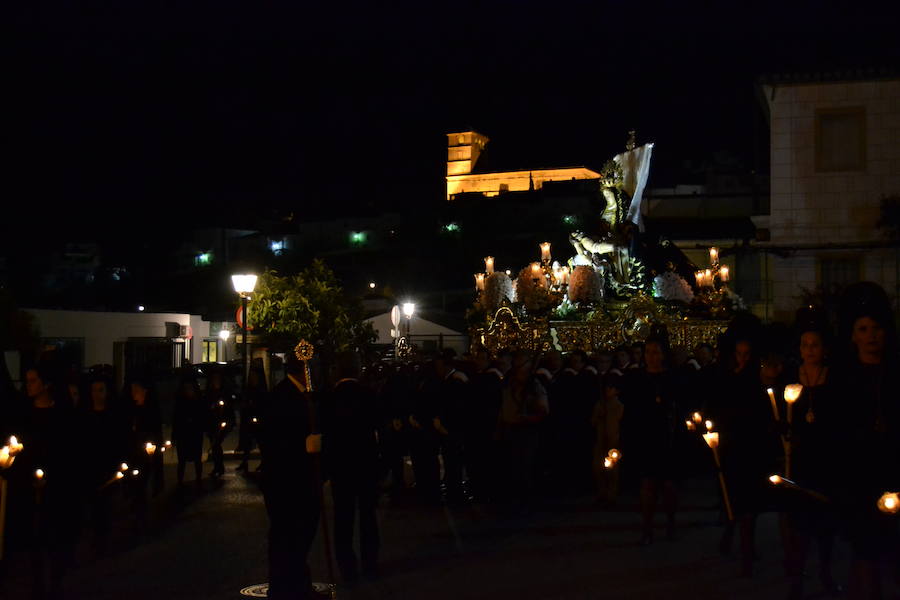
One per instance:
(100, 330)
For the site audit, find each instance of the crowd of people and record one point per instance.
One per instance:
(514, 431)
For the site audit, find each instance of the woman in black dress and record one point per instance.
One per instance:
(868, 383)
(188, 427)
(652, 399)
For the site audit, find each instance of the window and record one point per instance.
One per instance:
(210, 351)
(203, 259)
(837, 273)
(277, 247)
(840, 139)
(358, 238)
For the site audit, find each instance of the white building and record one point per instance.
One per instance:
(835, 155)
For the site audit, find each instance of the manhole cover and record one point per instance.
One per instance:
(261, 590)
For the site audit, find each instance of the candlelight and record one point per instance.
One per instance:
(792, 392)
(221, 403)
(723, 273)
(709, 425)
(690, 425)
(699, 277)
(168, 444)
(712, 439)
(479, 282)
(714, 255)
(120, 475)
(39, 474)
(545, 251)
(565, 275)
(708, 278)
(608, 463)
(223, 424)
(150, 448)
(889, 503)
(614, 454)
(776, 479)
(697, 417)
(255, 420)
(489, 264)
(771, 393)
(123, 466)
(14, 446)
(135, 472)
(6, 459)
(536, 271)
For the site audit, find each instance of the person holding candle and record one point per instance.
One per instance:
(144, 421)
(868, 379)
(220, 402)
(652, 398)
(814, 450)
(606, 419)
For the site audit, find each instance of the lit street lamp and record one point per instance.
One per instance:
(224, 334)
(408, 309)
(244, 285)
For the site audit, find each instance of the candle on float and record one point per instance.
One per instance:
(723, 273)
(39, 474)
(565, 275)
(708, 278)
(771, 393)
(545, 251)
(697, 417)
(714, 255)
(698, 275)
(489, 264)
(479, 282)
(536, 272)
(889, 503)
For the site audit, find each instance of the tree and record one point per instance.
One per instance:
(309, 305)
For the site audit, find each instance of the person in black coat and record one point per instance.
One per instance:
(189, 423)
(351, 457)
(220, 406)
(145, 424)
(290, 484)
(395, 402)
(451, 423)
(483, 409)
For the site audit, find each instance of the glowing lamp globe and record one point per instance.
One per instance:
(408, 309)
(244, 284)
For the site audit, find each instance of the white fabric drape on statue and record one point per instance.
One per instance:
(635, 170)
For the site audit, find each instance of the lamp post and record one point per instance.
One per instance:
(408, 309)
(244, 285)
(224, 334)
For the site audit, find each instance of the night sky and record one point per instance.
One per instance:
(131, 119)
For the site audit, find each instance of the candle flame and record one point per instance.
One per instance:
(615, 454)
(889, 503)
(712, 439)
(690, 425)
(136, 472)
(39, 473)
(792, 392)
(776, 479)
(124, 466)
(221, 403)
(608, 463)
(709, 425)
(120, 475)
(222, 424)
(697, 417)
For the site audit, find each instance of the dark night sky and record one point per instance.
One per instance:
(127, 116)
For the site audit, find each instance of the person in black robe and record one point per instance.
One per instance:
(290, 483)
(220, 406)
(867, 380)
(188, 426)
(424, 440)
(483, 408)
(395, 403)
(351, 458)
(450, 421)
(145, 425)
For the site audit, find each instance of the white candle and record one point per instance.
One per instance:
(39, 474)
(536, 272)
(479, 282)
(714, 255)
(771, 393)
(489, 264)
(565, 275)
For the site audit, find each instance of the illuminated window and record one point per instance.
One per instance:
(570, 219)
(210, 351)
(451, 227)
(841, 139)
(358, 238)
(203, 259)
(277, 247)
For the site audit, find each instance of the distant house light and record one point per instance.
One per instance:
(203, 259)
(358, 238)
(276, 246)
(140, 308)
(570, 219)
(451, 227)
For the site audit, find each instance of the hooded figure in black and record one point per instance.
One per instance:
(290, 484)
(350, 446)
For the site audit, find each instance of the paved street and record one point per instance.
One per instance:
(210, 544)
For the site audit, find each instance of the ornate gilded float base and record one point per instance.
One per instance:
(614, 325)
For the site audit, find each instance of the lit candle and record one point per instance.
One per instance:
(489, 264)
(136, 472)
(776, 479)
(690, 425)
(709, 425)
(536, 272)
(565, 275)
(545, 252)
(39, 474)
(889, 503)
(6, 460)
(714, 255)
(771, 393)
(723, 273)
(150, 448)
(168, 444)
(791, 393)
(608, 463)
(223, 424)
(697, 417)
(123, 466)
(120, 475)
(708, 278)
(14, 446)
(699, 277)
(615, 454)
(255, 420)
(712, 439)
(479, 282)
(221, 403)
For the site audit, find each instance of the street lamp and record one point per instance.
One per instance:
(224, 334)
(408, 309)
(244, 285)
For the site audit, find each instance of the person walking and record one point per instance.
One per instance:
(188, 426)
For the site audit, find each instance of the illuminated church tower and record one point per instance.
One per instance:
(463, 150)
